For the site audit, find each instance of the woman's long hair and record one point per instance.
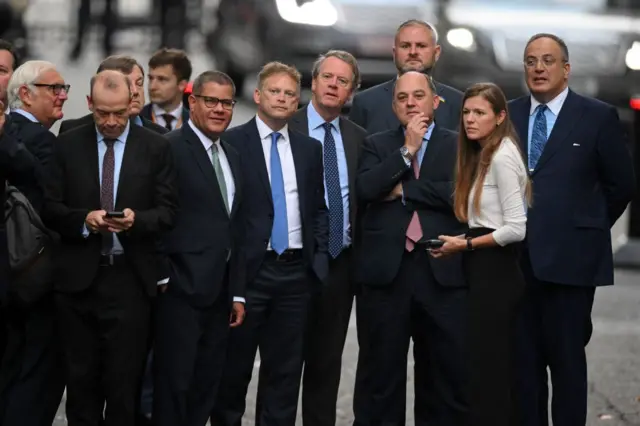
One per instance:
(473, 159)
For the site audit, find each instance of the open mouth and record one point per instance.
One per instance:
(540, 79)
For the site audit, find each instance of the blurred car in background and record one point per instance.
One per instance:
(483, 40)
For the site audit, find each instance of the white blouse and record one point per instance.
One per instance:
(503, 203)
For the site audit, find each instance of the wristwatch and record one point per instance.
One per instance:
(469, 244)
(404, 151)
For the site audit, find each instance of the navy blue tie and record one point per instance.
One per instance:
(334, 193)
(538, 136)
(280, 230)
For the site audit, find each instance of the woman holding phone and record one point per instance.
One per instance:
(492, 191)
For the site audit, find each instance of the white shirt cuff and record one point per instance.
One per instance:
(164, 281)
(239, 299)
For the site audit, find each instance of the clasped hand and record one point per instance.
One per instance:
(451, 245)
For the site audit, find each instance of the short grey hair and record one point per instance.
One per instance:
(212, 76)
(25, 75)
(419, 23)
(344, 56)
(110, 80)
(558, 40)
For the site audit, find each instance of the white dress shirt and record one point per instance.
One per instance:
(224, 162)
(159, 119)
(502, 202)
(294, 221)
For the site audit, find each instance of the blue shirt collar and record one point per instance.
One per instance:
(122, 138)
(315, 120)
(26, 114)
(137, 120)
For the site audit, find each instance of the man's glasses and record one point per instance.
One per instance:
(212, 102)
(55, 88)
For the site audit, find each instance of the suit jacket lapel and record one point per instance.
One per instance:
(297, 151)
(203, 159)
(568, 117)
(90, 154)
(130, 157)
(431, 153)
(257, 155)
(234, 164)
(351, 152)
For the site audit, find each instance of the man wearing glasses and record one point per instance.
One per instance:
(32, 381)
(205, 292)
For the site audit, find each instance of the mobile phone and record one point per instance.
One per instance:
(434, 244)
(114, 215)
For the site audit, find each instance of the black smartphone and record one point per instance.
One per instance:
(434, 244)
(114, 215)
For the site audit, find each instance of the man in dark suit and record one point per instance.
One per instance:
(405, 182)
(31, 380)
(207, 272)
(107, 264)
(416, 48)
(169, 74)
(335, 78)
(134, 71)
(583, 179)
(285, 246)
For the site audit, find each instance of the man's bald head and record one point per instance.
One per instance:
(414, 92)
(110, 80)
(413, 78)
(110, 102)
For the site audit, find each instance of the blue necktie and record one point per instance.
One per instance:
(334, 193)
(538, 136)
(280, 230)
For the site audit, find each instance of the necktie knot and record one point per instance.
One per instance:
(168, 119)
(541, 109)
(327, 127)
(109, 142)
(274, 137)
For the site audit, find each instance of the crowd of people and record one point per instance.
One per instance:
(476, 227)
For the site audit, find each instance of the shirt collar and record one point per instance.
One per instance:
(122, 138)
(554, 105)
(206, 141)
(158, 112)
(265, 131)
(27, 115)
(137, 120)
(315, 120)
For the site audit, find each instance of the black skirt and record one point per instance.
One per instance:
(496, 287)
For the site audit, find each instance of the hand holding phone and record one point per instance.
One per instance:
(434, 244)
(114, 215)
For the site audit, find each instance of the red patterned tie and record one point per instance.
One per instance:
(106, 192)
(414, 231)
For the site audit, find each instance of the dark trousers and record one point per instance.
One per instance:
(554, 329)
(84, 21)
(361, 398)
(32, 376)
(329, 315)
(414, 306)
(496, 288)
(105, 333)
(190, 352)
(276, 315)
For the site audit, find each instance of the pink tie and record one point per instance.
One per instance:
(414, 231)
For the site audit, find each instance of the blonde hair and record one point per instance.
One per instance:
(273, 68)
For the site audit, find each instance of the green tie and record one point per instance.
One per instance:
(215, 159)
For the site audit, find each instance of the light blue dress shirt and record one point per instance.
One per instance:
(423, 147)
(27, 115)
(316, 131)
(118, 151)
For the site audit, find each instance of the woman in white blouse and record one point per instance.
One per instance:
(492, 191)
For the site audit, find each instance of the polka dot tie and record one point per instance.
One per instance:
(334, 193)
